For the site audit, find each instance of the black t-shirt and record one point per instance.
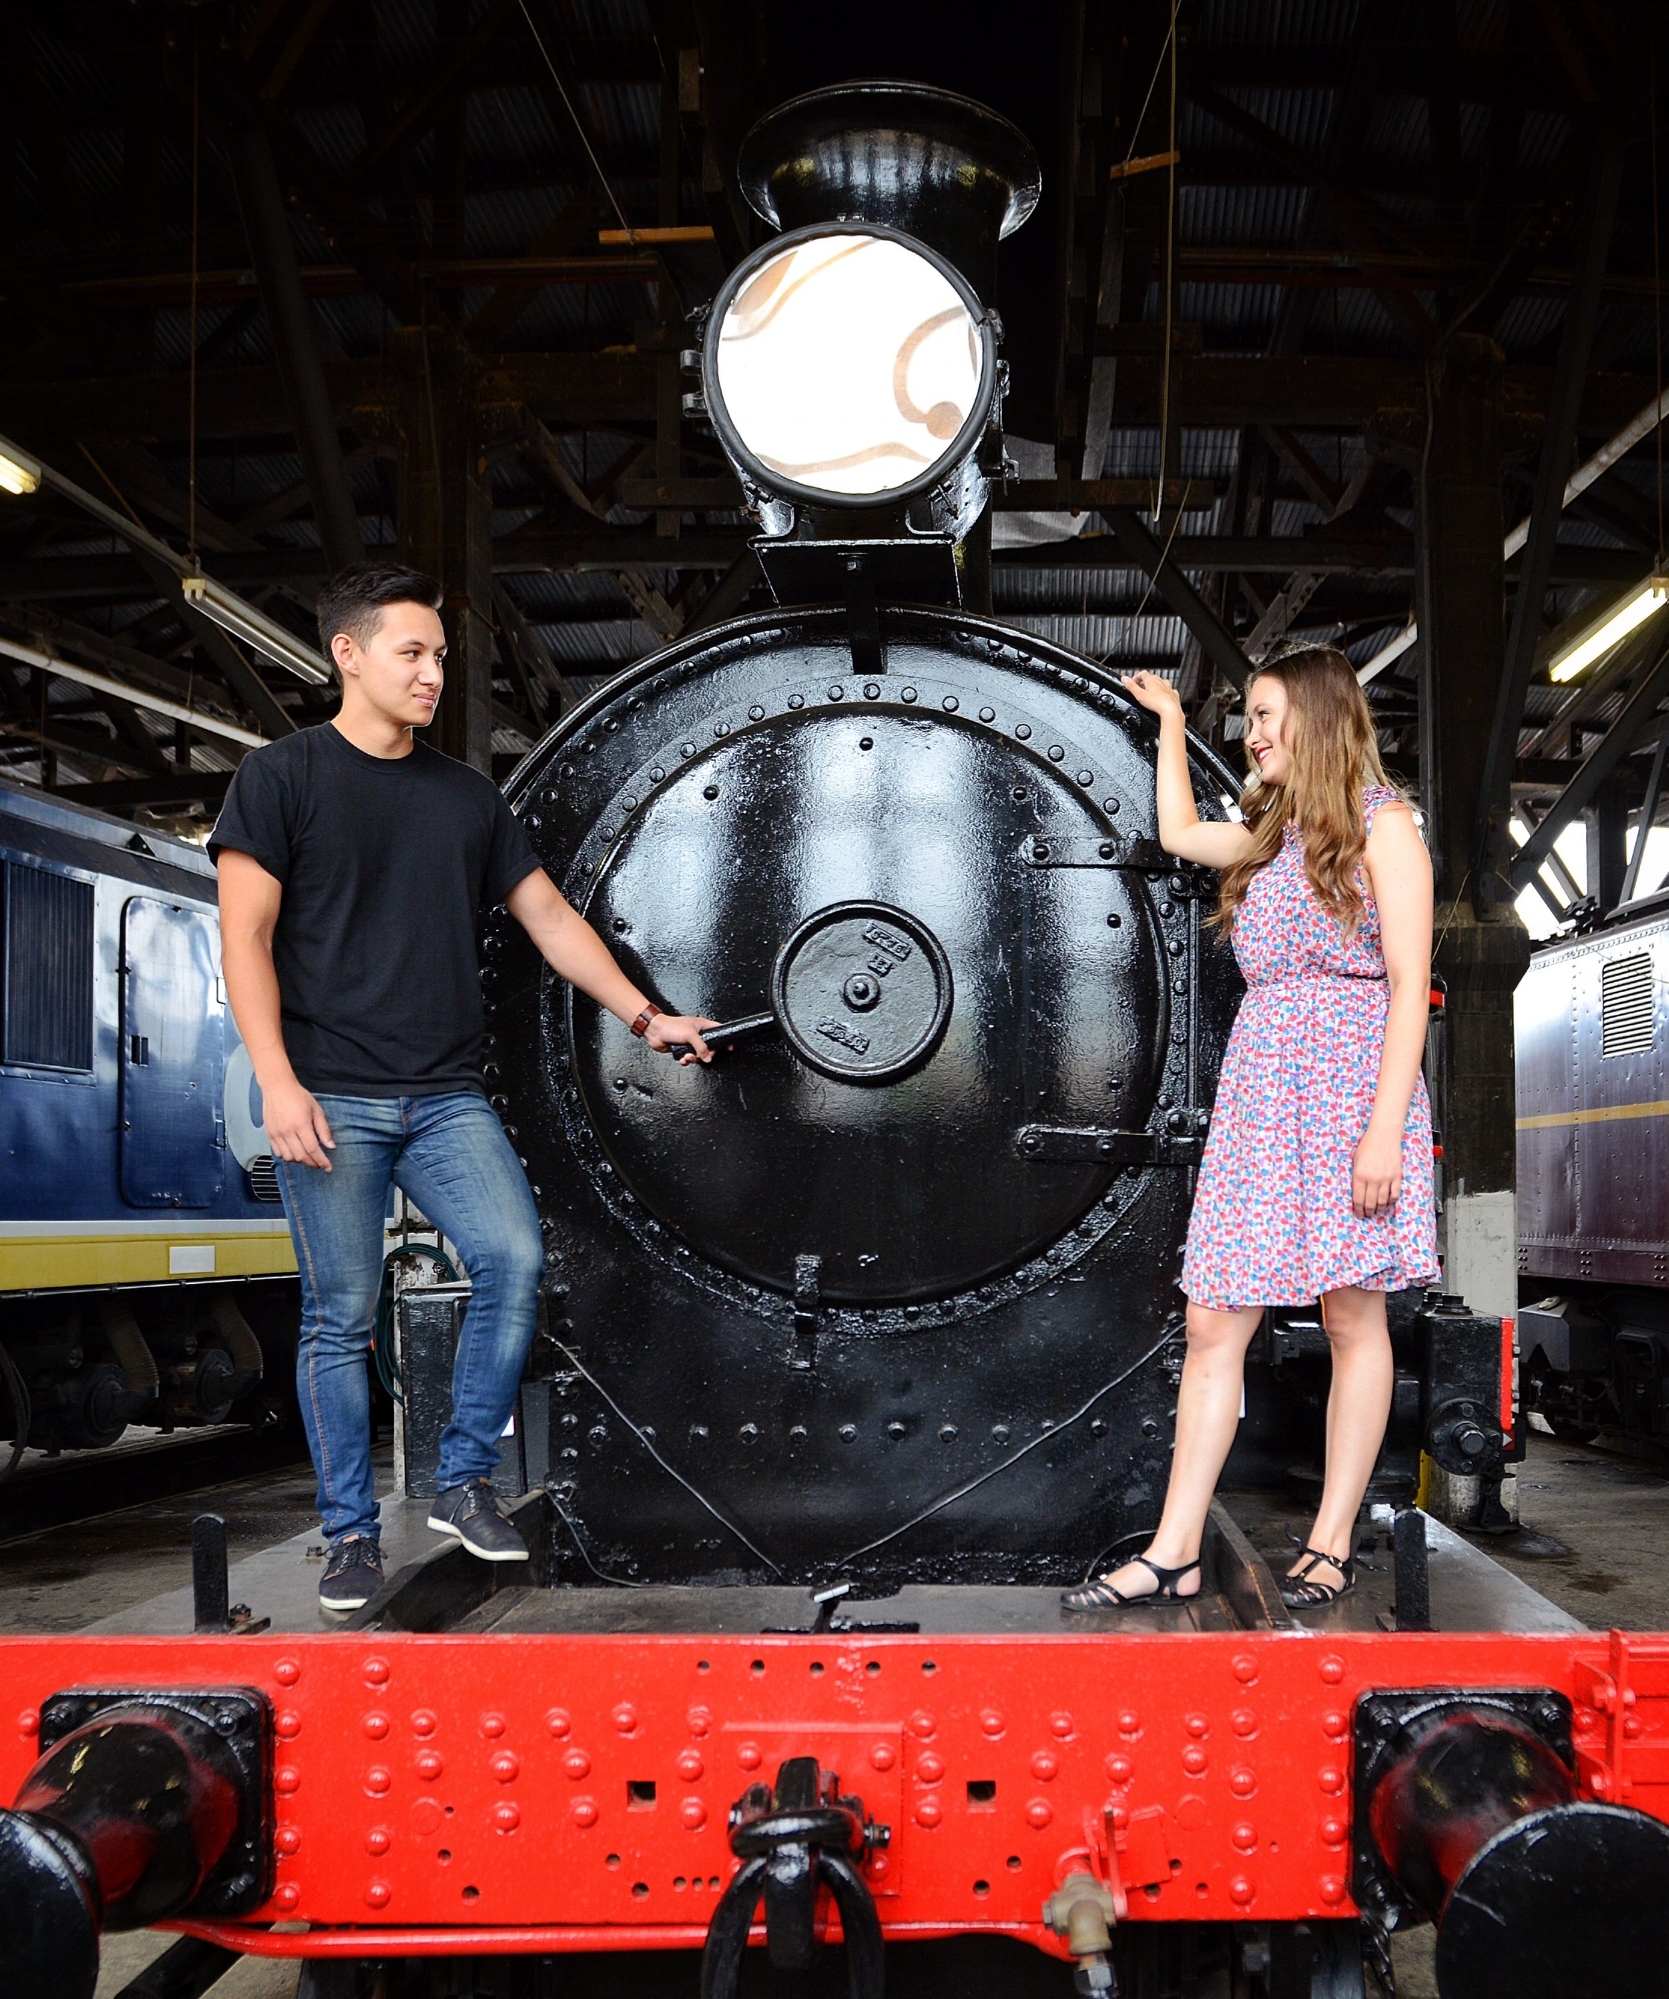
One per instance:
(387, 863)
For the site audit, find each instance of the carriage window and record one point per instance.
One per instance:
(1628, 1005)
(48, 971)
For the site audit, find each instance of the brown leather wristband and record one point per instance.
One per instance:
(640, 1026)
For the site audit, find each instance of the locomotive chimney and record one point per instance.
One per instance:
(930, 164)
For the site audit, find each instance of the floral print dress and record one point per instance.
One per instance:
(1272, 1221)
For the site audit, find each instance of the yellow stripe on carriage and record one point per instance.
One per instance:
(66, 1262)
(1606, 1114)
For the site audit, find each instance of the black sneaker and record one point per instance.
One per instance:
(352, 1576)
(472, 1514)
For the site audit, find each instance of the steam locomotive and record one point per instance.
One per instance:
(863, 1340)
(146, 1274)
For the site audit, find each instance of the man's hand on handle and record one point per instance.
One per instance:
(666, 1030)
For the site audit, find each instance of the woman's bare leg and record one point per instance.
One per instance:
(1207, 1416)
(1358, 1408)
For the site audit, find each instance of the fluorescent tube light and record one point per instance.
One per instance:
(255, 628)
(1639, 605)
(19, 473)
(124, 690)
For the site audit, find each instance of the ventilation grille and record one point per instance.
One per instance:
(48, 969)
(1628, 1005)
(262, 1176)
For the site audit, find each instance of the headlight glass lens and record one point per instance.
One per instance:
(849, 364)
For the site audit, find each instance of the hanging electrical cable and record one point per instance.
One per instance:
(196, 217)
(568, 102)
(1657, 308)
(1170, 290)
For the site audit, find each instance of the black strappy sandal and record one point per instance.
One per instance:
(1100, 1594)
(1302, 1590)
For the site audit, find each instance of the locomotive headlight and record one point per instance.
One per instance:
(848, 364)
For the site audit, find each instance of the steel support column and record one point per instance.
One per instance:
(295, 344)
(1460, 588)
(443, 505)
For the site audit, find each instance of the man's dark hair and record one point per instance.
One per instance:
(354, 599)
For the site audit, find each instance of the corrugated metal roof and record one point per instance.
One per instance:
(1272, 23)
(1262, 217)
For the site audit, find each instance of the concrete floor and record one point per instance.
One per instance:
(1593, 1542)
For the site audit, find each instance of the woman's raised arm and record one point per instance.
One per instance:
(1210, 843)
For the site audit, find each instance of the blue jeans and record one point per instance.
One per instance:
(450, 1154)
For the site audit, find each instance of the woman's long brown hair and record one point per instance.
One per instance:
(1329, 735)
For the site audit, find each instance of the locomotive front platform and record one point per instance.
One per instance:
(476, 1767)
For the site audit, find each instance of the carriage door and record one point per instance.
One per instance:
(173, 1056)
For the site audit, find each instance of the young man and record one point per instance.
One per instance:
(354, 863)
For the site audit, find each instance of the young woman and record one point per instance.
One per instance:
(1317, 1176)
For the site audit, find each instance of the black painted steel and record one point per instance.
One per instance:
(143, 1805)
(1567, 1900)
(816, 1309)
(794, 1839)
(49, 1930)
(1470, 1804)
(211, 1593)
(1438, 1773)
(930, 164)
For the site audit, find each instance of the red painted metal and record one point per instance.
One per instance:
(1509, 1353)
(553, 1793)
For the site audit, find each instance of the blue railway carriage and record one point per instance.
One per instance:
(146, 1274)
(1593, 1177)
